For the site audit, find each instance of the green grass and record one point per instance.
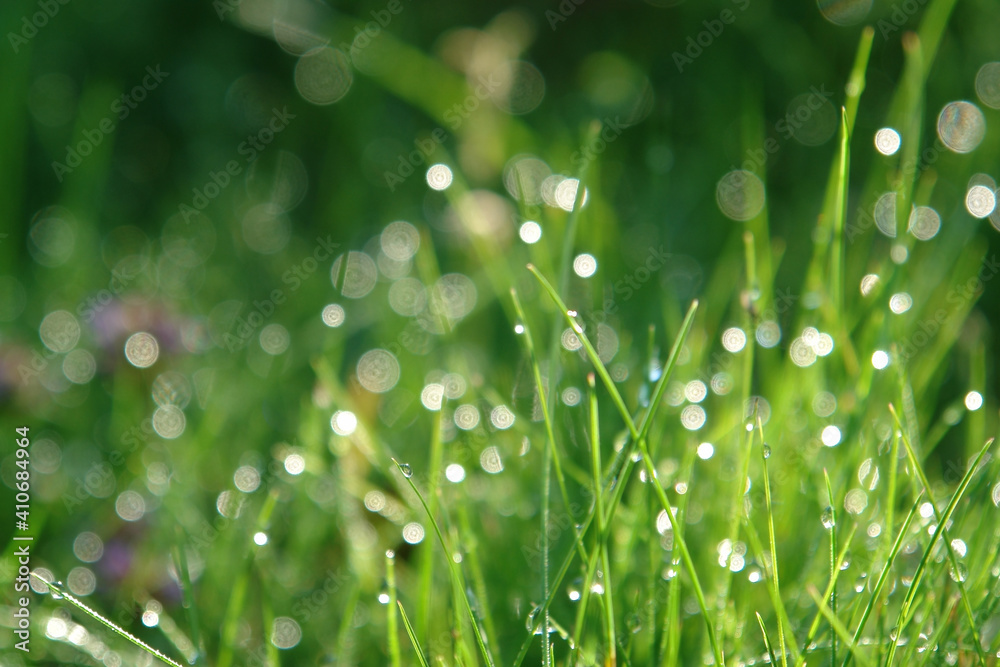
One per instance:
(564, 473)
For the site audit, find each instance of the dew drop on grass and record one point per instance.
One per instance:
(634, 623)
(54, 589)
(767, 452)
(529, 623)
(573, 590)
(405, 469)
(828, 519)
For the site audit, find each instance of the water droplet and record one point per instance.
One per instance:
(529, 623)
(634, 623)
(828, 518)
(54, 588)
(767, 452)
(959, 574)
(573, 590)
(405, 469)
(519, 328)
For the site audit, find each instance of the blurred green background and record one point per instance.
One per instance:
(260, 141)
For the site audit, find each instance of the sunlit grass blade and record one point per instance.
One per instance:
(776, 585)
(835, 623)
(904, 611)
(421, 658)
(767, 640)
(616, 398)
(65, 595)
(392, 631)
(953, 560)
(833, 561)
(595, 451)
(456, 577)
(883, 576)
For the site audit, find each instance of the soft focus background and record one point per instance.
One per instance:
(250, 250)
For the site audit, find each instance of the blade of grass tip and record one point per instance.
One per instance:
(413, 637)
(456, 577)
(833, 561)
(835, 623)
(619, 480)
(597, 553)
(595, 450)
(765, 453)
(61, 592)
(767, 641)
(856, 81)
(546, 502)
(883, 576)
(904, 609)
(915, 462)
(392, 630)
(187, 593)
(616, 398)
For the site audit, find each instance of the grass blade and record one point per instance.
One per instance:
(421, 658)
(63, 594)
(767, 640)
(456, 578)
(392, 631)
(595, 450)
(783, 617)
(833, 562)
